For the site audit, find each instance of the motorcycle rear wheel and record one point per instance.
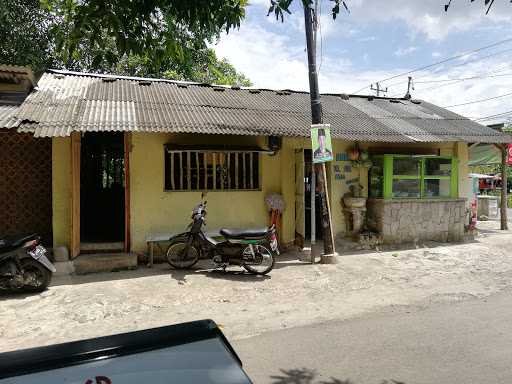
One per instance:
(176, 258)
(36, 274)
(261, 263)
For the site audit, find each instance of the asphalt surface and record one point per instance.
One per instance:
(463, 342)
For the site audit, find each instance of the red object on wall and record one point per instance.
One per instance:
(509, 154)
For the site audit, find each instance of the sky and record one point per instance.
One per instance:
(383, 38)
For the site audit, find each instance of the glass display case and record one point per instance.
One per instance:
(413, 177)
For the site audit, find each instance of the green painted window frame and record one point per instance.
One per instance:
(389, 177)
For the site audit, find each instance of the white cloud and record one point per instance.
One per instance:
(428, 16)
(269, 59)
(272, 59)
(405, 51)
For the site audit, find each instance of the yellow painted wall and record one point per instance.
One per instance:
(287, 181)
(154, 210)
(61, 189)
(461, 150)
(337, 188)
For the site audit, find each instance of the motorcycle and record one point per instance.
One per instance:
(252, 249)
(24, 265)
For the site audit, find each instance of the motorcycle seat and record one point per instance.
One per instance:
(245, 233)
(9, 243)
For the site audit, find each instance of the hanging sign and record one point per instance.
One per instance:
(509, 154)
(321, 143)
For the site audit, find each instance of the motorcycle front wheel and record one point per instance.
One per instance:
(261, 262)
(178, 259)
(36, 277)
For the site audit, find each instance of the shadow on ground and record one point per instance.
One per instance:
(310, 376)
(203, 267)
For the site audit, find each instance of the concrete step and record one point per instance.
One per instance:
(93, 248)
(104, 262)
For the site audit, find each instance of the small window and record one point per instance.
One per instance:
(438, 167)
(212, 171)
(406, 188)
(408, 166)
(437, 187)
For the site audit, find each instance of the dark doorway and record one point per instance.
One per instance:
(102, 183)
(309, 168)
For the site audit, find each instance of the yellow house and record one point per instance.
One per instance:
(131, 157)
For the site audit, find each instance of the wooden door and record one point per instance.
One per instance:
(127, 150)
(75, 194)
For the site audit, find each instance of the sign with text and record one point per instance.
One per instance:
(321, 144)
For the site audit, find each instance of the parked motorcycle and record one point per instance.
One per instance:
(24, 265)
(253, 249)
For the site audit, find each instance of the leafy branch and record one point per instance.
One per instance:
(280, 7)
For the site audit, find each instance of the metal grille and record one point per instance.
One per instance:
(25, 185)
(211, 171)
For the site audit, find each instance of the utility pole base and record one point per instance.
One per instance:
(329, 259)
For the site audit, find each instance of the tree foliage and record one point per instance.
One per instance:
(24, 31)
(280, 7)
(53, 35)
(487, 4)
(139, 27)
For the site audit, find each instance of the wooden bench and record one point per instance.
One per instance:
(155, 239)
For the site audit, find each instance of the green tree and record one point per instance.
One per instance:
(38, 36)
(158, 29)
(26, 39)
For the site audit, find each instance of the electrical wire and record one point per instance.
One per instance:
(453, 82)
(494, 116)
(478, 101)
(504, 68)
(440, 62)
(319, 21)
(462, 64)
(461, 79)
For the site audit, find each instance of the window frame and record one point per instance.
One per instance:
(389, 177)
(188, 153)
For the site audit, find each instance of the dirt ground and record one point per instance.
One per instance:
(296, 293)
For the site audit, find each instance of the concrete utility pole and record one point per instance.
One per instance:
(316, 118)
(378, 89)
(410, 86)
(504, 187)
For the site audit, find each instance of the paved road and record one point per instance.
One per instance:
(464, 342)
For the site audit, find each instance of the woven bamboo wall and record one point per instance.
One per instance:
(25, 185)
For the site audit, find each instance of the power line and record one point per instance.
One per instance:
(504, 67)
(454, 81)
(493, 116)
(478, 101)
(440, 62)
(460, 65)
(460, 79)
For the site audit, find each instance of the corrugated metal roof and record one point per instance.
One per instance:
(7, 119)
(65, 101)
(13, 73)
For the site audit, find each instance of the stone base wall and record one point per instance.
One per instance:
(402, 221)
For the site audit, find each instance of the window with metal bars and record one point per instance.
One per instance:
(211, 171)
